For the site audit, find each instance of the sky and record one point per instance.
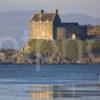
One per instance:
(90, 7)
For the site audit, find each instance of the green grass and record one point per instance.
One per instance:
(47, 45)
(69, 49)
(96, 47)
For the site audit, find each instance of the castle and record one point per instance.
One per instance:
(48, 26)
(44, 25)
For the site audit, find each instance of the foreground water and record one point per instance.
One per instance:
(49, 82)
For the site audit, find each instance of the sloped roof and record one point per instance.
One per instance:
(43, 16)
(70, 24)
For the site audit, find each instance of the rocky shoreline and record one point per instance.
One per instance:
(39, 58)
(50, 52)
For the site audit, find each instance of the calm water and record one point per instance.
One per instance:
(50, 82)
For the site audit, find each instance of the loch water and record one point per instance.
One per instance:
(50, 82)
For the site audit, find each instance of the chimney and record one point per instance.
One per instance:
(57, 11)
(42, 11)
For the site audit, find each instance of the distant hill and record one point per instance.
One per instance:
(81, 18)
(15, 23)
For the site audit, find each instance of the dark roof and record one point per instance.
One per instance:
(70, 24)
(43, 16)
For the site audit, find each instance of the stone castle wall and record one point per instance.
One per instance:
(41, 30)
(61, 33)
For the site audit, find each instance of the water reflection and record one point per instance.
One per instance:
(42, 92)
(49, 92)
(53, 92)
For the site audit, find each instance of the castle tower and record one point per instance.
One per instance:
(43, 25)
